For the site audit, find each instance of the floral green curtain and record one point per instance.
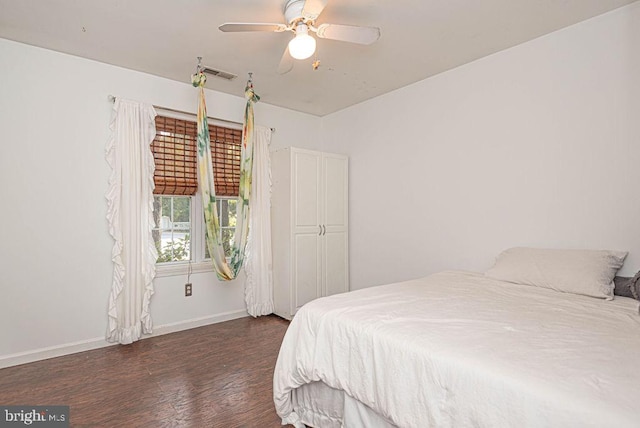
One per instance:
(226, 270)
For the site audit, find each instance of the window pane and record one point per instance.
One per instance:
(227, 240)
(232, 204)
(223, 211)
(176, 249)
(165, 206)
(156, 211)
(181, 209)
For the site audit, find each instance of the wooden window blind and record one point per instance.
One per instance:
(175, 156)
(174, 153)
(225, 152)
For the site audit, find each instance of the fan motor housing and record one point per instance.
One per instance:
(293, 10)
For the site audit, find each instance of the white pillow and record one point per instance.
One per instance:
(587, 272)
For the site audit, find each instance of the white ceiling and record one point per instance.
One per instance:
(419, 38)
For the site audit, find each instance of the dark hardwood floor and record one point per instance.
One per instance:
(213, 376)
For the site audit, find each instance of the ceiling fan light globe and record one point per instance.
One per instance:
(302, 46)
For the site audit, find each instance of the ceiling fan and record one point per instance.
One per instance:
(301, 16)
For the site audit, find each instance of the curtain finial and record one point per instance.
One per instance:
(249, 93)
(199, 78)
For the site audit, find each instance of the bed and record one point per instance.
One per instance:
(461, 349)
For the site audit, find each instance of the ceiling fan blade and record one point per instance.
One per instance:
(232, 27)
(349, 33)
(313, 8)
(286, 63)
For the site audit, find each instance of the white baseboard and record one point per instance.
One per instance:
(99, 342)
(52, 352)
(197, 322)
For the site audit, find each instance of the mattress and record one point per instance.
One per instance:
(457, 349)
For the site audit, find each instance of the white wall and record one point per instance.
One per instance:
(537, 145)
(55, 249)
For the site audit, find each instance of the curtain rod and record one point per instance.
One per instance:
(112, 99)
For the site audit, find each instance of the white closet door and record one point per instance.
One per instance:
(335, 237)
(306, 245)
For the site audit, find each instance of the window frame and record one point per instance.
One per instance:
(190, 230)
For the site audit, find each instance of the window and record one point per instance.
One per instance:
(172, 231)
(179, 230)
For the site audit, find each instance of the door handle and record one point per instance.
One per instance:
(320, 231)
(324, 230)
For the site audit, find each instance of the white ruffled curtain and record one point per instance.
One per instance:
(258, 264)
(130, 216)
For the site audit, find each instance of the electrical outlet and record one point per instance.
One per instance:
(188, 289)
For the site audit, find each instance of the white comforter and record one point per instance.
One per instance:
(457, 349)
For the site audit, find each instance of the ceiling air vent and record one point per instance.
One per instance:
(219, 73)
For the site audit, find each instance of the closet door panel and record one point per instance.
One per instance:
(306, 269)
(306, 190)
(335, 191)
(335, 269)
